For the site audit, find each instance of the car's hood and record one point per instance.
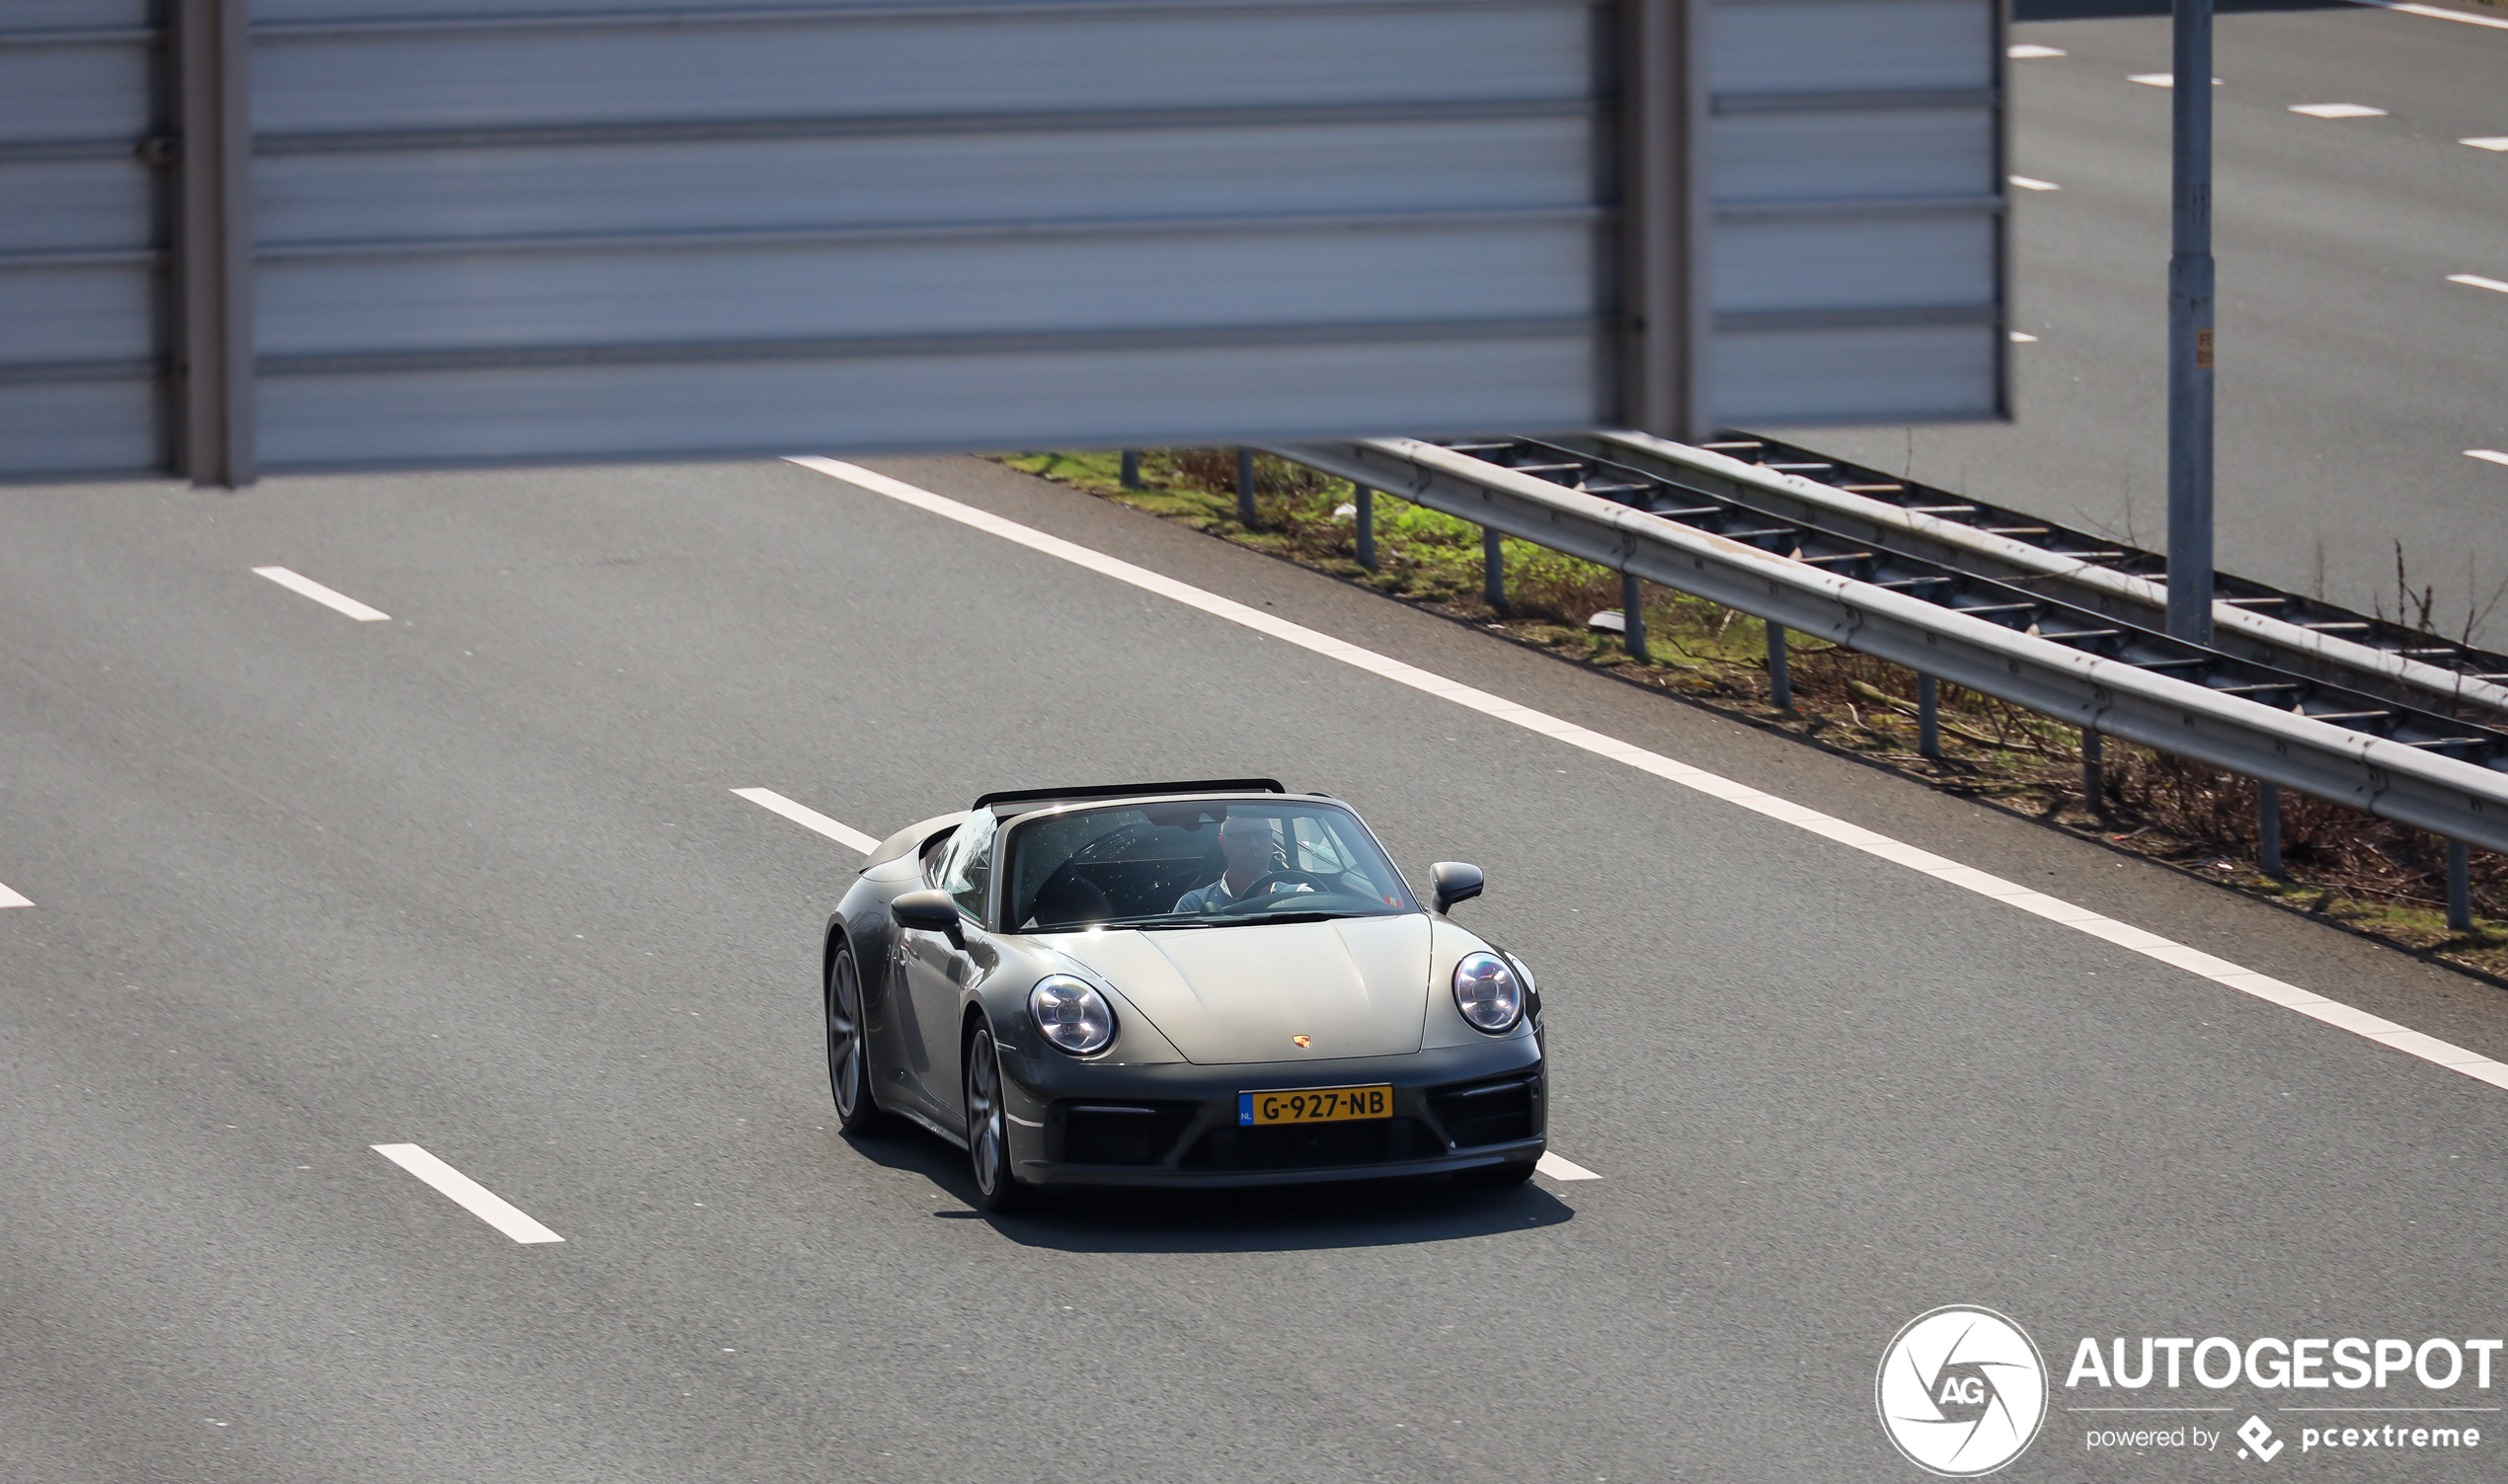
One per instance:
(1354, 986)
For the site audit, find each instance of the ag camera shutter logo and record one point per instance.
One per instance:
(1961, 1391)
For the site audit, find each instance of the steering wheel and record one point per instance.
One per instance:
(1260, 889)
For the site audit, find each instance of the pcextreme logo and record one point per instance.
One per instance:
(1961, 1391)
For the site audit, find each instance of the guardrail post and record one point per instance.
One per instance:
(1131, 468)
(2093, 777)
(2268, 830)
(1780, 686)
(1245, 488)
(1928, 717)
(2460, 887)
(1367, 527)
(1493, 569)
(1632, 614)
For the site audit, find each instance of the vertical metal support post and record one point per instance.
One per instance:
(2190, 329)
(1664, 218)
(2093, 774)
(1928, 717)
(1780, 686)
(1493, 569)
(214, 242)
(2268, 830)
(1245, 488)
(1632, 614)
(1131, 468)
(1367, 527)
(2460, 887)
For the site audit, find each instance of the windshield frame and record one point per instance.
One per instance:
(1012, 832)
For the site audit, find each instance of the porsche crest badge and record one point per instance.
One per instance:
(1301, 1042)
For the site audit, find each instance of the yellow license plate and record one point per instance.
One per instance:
(1314, 1105)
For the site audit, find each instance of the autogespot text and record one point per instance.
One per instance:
(2349, 1364)
(2438, 1380)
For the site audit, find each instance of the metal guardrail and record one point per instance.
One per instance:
(2301, 635)
(2101, 674)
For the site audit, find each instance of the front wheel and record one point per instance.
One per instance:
(848, 1050)
(989, 1130)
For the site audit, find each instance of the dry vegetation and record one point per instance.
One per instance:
(2367, 874)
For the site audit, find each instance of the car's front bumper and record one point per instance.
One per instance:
(1455, 1109)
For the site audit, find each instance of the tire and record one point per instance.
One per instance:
(849, 1051)
(997, 1190)
(1496, 1177)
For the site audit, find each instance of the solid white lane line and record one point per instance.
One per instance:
(2436, 14)
(2478, 281)
(2337, 111)
(2031, 50)
(2492, 455)
(1561, 1169)
(9, 898)
(2027, 184)
(468, 1194)
(2498, 144)
(308, 587)
(809, 819)
(2011, 894)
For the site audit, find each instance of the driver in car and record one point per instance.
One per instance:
(1253, 852)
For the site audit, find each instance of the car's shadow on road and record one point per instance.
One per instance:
(1263, 1218)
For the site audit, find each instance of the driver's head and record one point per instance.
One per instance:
(1248, 843)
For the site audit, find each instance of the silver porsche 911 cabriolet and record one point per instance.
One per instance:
(1178, 983)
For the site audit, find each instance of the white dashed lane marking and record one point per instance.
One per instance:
(468, 1194)
(9, 898)
(2031, 50)
(306, 586)
(2487, 455)
(1563, 1169)
(2027, 184)
(2023, 337)
(2055, 910)
(2160, 79)
(2337, 111)
(2497, 144)
(810, 818)
(2477, 280)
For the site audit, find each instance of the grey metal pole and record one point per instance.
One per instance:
(1928, 717)
(1245, 488)
(2268, 830)
(2190, 329)
(1131, 468)
(1780, 686)
(213, 242)
(1632, 613)
(2460, 887)
(1367, 527)
(1493, 569)
(2093, 774)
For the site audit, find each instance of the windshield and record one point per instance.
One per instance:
(1202, 864)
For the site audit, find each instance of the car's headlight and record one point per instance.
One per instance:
(1488, 993)
(1072, 1014)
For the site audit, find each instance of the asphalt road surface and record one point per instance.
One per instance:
(2353, 374)
(473, 878)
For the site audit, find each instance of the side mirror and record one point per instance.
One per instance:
(929, 912)
(1453, 881)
